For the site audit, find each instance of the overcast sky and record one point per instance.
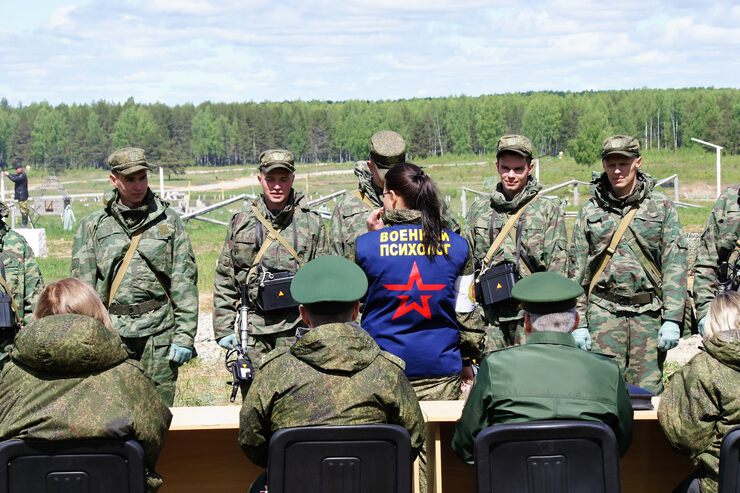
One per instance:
(180, 51)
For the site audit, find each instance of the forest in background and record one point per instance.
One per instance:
(55, 138)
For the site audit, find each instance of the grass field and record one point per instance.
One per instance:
(201, 382)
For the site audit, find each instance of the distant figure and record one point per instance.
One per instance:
(137, 255)
(548, 377)
(335, 374)
(82, 385)
(20, 182)
(68, 216)
(701, 403)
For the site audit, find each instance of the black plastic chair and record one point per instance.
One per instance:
(71, 466)
(340, 459)
(547, 456)
(729, 463)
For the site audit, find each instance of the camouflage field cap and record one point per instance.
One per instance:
(387, 148)
(546, 292)
(128, 160)
(277, 158)
(518, 144)
(624, 145)
(329, 278)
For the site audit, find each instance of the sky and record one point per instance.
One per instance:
(190, 51)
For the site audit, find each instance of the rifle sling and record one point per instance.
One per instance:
(135, 238)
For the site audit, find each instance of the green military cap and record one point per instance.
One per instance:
(328, 278)
(387, 148)
(518, 144)
(621, 144)
(128, 160)
(547, 292)
(277, 158)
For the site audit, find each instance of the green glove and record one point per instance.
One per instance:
(668, 335)
(227, 342)
(701, 325)
(179, 354)
(583, 338)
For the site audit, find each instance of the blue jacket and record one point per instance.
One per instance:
(410, 304)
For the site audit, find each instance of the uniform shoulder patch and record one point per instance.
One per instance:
(394, 359)
(272, 355)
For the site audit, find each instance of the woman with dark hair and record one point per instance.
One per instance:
(419, 277)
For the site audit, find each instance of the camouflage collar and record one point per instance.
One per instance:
(337, 346)
(601, 190)
(366, 184)
(402, 216)
(155, 207)
(725, 348)
(285, 216)
(501, 204)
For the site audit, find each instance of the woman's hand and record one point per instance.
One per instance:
(374, 220)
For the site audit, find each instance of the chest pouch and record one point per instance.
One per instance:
(274, 290)
(494, 285)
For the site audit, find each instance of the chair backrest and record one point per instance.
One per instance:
(71, 466)
(729, 462)
(547, 456)
(340, 459)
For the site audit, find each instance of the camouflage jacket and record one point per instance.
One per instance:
(300, 226)
(81, 385)
(655, 227)
(334, 375)
(543, 234)
(163, 268)
(348, 221)
(717, 242)
(22, 273)
(702, 403)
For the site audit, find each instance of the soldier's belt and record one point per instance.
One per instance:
(136, 309)
(637, 299)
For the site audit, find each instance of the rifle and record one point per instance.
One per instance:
(237, 359)
(728, 274)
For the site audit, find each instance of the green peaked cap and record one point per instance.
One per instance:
(547, 292)
(329, 278)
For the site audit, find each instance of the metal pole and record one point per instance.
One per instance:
(675, 188)
(161, 182)
(537, 169)
(464, 200)
(719, 172)
(576, 195)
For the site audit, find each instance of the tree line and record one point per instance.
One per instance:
(216, 134)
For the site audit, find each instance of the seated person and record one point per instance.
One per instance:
(547, 378)
(334, 374)
(82, 384)
(701, 402)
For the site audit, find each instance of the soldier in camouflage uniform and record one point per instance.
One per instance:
(22, 275)
(155, 309)
(540, 230)
(719, 241)
(300, 227)
(702, 402)
(387, 148)
(83, 385)
(629, 314)
(335, 374)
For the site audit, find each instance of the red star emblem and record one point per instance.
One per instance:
(414, 281)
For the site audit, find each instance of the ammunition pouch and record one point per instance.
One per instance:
(493, 286)
(8, 322)
(274, 290)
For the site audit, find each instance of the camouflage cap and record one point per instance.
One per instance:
(518, 144)
(546, 292)
(387, 148)
(128, 160)
(624, 145)
(329, 278)
(276, 158)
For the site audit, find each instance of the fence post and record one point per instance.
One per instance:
(576, 195)
(464, 199)
(675, 188)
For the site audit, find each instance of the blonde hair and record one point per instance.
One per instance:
(724, 314)
(71, 296)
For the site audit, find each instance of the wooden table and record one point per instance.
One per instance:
(202, 454)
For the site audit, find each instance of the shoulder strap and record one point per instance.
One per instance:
(363, 197)
(647, 263)
(5, 286)
(609, 253)
(135, 238)
(504, 231)
(274, 234)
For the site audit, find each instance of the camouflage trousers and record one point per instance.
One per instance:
(152, 352)
(503, 334)
(632, 338)
(23, 207)
(433, 389)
